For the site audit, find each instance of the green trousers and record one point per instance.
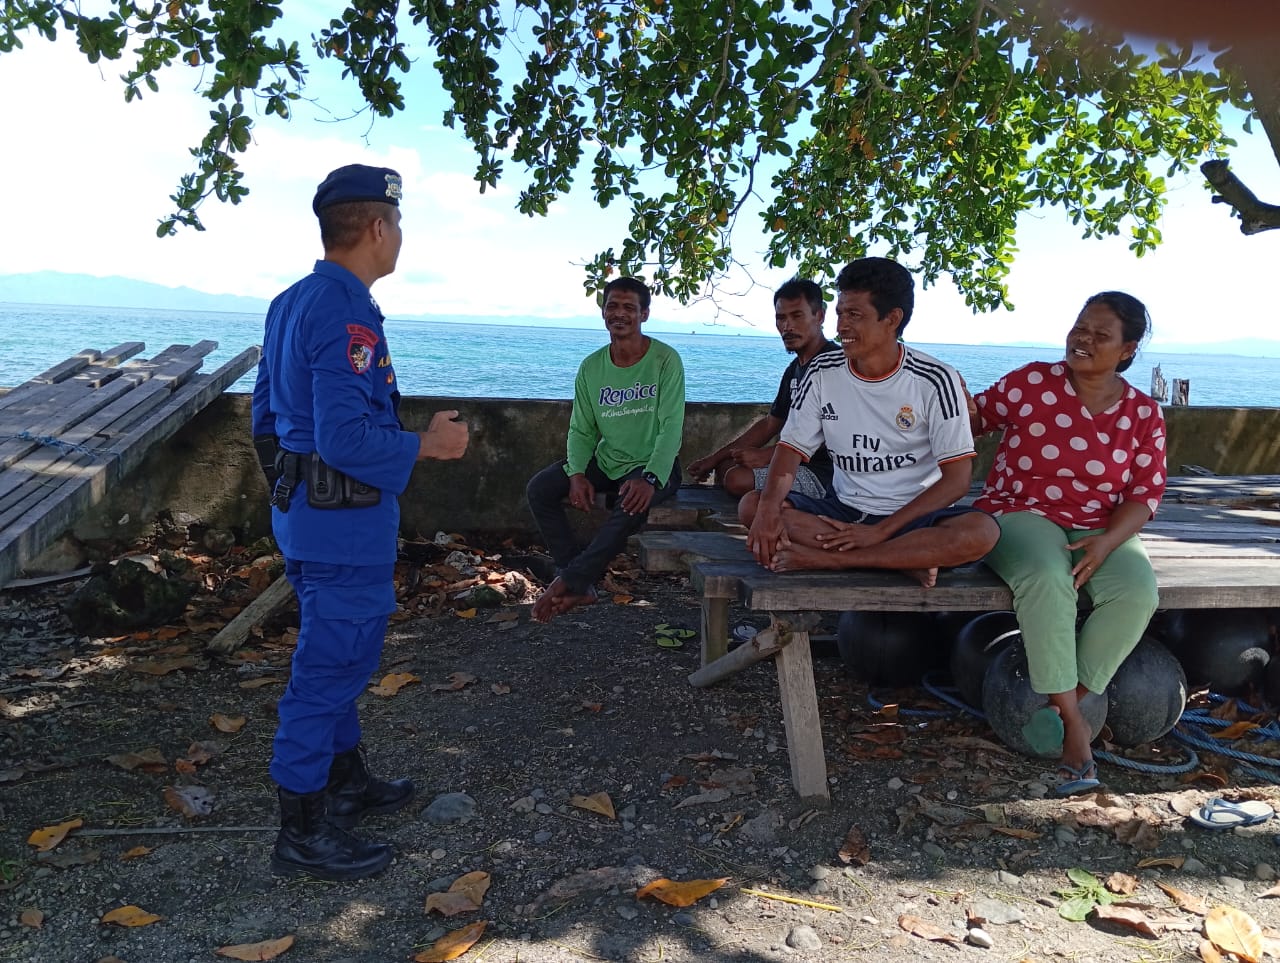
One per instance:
(1033, 558)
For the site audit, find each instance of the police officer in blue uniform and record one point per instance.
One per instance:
(328, 435)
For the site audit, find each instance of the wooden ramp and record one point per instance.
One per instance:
(69, 434)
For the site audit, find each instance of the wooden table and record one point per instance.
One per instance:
(71, 432)
(1214, 544)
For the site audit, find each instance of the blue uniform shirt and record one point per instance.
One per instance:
(326, 383)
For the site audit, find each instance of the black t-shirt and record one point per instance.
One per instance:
(820, 463)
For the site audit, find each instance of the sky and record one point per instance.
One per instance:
(87, 178)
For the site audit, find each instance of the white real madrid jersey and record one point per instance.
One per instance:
(886, 437)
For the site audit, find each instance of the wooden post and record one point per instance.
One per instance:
(801, 720)
(1159, 387)
(1181, 391)
(236, 632)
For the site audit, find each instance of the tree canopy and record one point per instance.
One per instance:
(921, 130)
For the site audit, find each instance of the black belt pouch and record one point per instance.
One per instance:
(329, 488)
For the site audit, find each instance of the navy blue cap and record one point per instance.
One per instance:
(357, 182)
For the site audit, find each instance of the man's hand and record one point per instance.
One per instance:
(635, 494)
(582, 494)
(847, 535)
(444, 439)
(700, 469)
(766, 535)
(752, 457)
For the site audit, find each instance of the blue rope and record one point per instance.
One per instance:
(1202, 742)
(52, 442)
(1157, 769)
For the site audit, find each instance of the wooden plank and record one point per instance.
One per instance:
(234, 633)
(673, 551)
(21, 539)
(715, 629)
(801, 720)
(54, 426)
(59, 372)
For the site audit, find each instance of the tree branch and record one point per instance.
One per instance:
(1255, 216)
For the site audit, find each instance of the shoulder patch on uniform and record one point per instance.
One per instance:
(360, 347)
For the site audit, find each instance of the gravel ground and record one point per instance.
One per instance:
(939, 843)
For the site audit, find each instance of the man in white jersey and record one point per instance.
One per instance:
(896, 423)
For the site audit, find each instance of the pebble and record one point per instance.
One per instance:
(979, 937)
(895, 783)
(538, 793)
(683, 919)
(438, 854)
(1264, 871)
(1194, 867)
(1037, 790)
(819, 871)
(543, 836)
(544, 808)
(1232, 884)
(1064, 836)
(627, 912)
(629, 813)
(804, 938)
(525, 804)
(1006, 878)
(933, 849)
(1188, 843)
(452, 807)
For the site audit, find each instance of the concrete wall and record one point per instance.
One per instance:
(208, 469)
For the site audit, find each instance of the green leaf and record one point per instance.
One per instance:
(1077, 908)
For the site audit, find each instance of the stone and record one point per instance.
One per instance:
(819, 871)
(683, 919)
(1231, 884)
(1194, 867)
(979, 937)
(627, 911)
(1265, 872)
(1006, 878)
(804, 938)
(542, 836)
(996, 912)
(451, 807)
(933, 849)
(525, 804)
(895, 783)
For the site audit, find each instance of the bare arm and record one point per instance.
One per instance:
(762, 431)
(767, 532)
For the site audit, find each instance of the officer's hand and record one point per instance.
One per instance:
(444, 439)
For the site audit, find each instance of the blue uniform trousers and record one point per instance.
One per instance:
(343, 622)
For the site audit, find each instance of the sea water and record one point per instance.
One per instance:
(474, 360)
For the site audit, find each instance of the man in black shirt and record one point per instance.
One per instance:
(742, 465)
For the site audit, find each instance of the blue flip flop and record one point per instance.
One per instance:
(1044, 732)
(1084, 779)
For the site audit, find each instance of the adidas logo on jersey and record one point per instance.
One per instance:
(828, 413)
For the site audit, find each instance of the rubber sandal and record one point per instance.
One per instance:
(1084, 779)
(1224, 814)
(671, 637)
(1044, 732)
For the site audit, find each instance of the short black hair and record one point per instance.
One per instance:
(342, 224)
(1135, 322)
(889, 284)
(801, 288)
(635, 286)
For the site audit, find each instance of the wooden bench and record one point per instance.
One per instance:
(69, 433)
(1214, 544)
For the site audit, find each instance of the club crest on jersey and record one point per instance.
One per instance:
(905, 418)
(360, 347)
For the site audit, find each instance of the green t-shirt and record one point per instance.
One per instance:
(627, 417)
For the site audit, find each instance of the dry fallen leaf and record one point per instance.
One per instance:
(1171, 862)
(393, 683)
(1125, 916)
(259, 682)
(452, 945)
(457, 682)
(1209, 953)
(131, 916)
(1122, 883)
(1234, 731)
(225, 723)
(465, 895)
(263, 950)
(500, 688)
(926, 930)
(1185, 901)
(597, 802)
(148, 760)
(191, 801)
(466, 613)
(137, 852)
(675, 782)
(1272, 893)
(48, 837)
(854, 849)
(165, 666)
(184, 767)
(680, 894)
(31, 917)
(622, 599)
(1234, 931)
(505, 615)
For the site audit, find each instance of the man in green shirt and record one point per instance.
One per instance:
(624, 435)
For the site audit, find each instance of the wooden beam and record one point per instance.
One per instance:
(236, 632)
(800, 717)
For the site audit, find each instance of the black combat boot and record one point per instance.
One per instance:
(310, 843)
(354, 794)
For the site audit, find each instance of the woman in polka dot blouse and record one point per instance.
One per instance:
(1079, 470)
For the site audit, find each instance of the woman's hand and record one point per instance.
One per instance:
(847, 535)
(1094, 549)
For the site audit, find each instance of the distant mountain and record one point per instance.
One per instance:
(57, 287)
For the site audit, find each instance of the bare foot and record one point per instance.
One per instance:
(799, 558)
(545, 608)
(927, 577)
(567, 602)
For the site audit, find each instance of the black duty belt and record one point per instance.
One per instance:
(327, 488)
